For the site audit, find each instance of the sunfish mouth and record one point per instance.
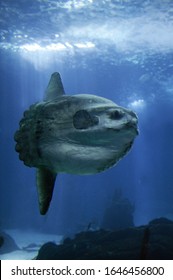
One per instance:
(129, 125)
(132, 125)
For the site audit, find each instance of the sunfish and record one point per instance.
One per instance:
(79, 134)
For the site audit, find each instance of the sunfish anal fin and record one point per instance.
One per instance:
(55, 87)
(45, 185)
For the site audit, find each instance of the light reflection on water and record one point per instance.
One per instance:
(108, 27)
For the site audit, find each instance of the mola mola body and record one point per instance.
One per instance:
(77, 134)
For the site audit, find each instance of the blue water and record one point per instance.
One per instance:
(122, 50)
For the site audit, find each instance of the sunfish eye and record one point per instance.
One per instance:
(116, 115)
(83, 120)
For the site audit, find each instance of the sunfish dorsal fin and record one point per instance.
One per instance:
(45, 185)
(55, 87)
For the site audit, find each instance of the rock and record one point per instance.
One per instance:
(1, 241)
(119, 214)
(7, 243)
(153, 241)
(161, 239)
(31, 247)
(97, 245)
(48, 249)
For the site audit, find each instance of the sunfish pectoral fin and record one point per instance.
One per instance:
(45, 185)
(55, 87)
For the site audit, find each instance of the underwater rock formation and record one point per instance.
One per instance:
(153, 241)
(7, 244)
(119, 215)
(1, 241)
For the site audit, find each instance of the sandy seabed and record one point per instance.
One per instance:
(29, 243)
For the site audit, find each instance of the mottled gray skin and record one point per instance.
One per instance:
(79, 134)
